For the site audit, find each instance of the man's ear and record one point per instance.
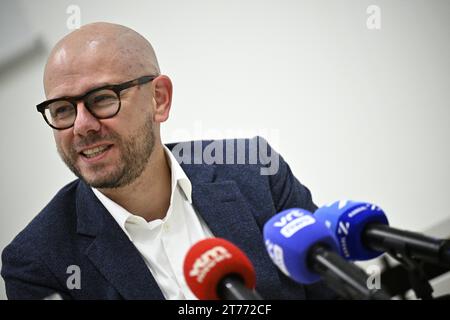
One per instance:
(162, 95)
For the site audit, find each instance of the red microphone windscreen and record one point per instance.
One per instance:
(209, 261)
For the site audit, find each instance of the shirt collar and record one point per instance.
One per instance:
(119, 213)
(178, 176)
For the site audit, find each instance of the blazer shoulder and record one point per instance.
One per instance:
(53, 223)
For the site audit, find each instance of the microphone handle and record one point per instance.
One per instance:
(384, 238)
(232, 287)
(342, 276)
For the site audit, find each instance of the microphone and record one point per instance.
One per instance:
(305, 250)
(216, 269)
(362, 231)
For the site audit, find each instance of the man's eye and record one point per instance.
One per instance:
(104, 98)
(62, 111)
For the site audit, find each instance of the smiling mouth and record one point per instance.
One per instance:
(94, 152)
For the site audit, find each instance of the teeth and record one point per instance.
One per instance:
(89, 153)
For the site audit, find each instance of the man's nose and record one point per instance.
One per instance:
(85, 121)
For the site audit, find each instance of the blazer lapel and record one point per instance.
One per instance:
(229, 216)
(111, 251)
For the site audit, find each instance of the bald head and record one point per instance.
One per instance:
(103, 52)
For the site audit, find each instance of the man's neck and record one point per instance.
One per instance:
(149, 195)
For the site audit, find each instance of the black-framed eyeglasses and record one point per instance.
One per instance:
(102, 103)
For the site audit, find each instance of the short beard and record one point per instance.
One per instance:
(135, 153)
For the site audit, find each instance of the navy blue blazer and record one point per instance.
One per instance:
(235, 201)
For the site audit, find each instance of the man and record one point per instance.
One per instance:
(122, 229)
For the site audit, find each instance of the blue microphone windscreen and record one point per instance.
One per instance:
(347, 220)
(289, 236)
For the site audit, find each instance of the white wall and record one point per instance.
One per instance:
(358, 113)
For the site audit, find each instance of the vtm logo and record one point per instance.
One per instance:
(207, 261)
(294, 214)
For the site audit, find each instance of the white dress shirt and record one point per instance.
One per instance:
(164, 243)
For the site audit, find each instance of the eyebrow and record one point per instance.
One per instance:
(98, 86)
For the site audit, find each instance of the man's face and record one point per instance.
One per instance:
(108, 153)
